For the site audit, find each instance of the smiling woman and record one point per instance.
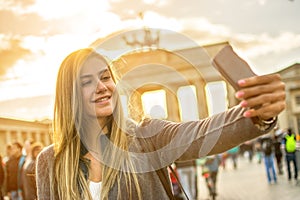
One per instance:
(98, 153)
(97, 87)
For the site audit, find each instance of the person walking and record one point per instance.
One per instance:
(1, 178)
(233, 153)
(268, 150)
(278, 153)
(187, 176)
(12, 171)
(210, 168)
(25, 159)
(29, 182)
(289, 142)
(98, 153)
(247, 148)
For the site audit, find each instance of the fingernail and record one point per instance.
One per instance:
(239, 94)
(241, 82)
(244, 103)
(247, 114)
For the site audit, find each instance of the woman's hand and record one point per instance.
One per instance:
(263, 95)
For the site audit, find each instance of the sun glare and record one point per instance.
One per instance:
(154, 104)
(65, 8)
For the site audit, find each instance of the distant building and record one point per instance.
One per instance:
(291, 116)
(12, 130)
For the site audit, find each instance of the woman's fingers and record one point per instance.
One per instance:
(259, 80)
(266, 111)
(263, 98)
(259, 85)
(263, 95)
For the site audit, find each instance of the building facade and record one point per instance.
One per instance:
(290, 118)
(14, 130)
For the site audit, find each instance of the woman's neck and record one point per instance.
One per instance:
(95, 168)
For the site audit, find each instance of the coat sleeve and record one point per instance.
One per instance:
(196, 139)
(43, 166)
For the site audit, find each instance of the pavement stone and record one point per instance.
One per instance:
(249, 182)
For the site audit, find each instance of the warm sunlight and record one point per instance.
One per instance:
(68, 8)
(41, 33)
(216, 95)
(153, 60)
(154, 104)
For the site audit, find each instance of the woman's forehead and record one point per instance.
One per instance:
(93, 65)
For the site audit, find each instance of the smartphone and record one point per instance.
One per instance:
(231, 66)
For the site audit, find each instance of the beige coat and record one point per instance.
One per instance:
(171, 142)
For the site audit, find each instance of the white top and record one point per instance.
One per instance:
(95, 189)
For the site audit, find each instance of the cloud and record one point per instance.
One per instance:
(262, 44)
(28, 24)
(12, 52)
(21, 3)
(129, 9)
(31, 108)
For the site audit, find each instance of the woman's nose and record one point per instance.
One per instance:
(100, 87)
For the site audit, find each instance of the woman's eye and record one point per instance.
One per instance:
(84, 83)
(105, 76)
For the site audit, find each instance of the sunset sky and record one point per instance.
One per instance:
(35, 36)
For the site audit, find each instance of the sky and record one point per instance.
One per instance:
(36, 35)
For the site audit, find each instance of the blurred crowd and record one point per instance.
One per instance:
(17, 171)
(275, 150)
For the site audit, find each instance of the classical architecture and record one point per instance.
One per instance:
(162, 70)
(290, 118)
(14, 130)
(154, 69)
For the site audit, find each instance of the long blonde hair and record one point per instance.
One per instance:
(68, 180)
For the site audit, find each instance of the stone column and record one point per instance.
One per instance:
(19, 136)
(232, 101)
(29, 134)
(8, 136)
(135, 107)
(172, 105)
(38, 135)
(201, 99)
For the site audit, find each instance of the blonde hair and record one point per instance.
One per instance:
(68, 180)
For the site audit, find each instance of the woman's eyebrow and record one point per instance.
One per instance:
(90, 75)
(102, 71)
(86, 76)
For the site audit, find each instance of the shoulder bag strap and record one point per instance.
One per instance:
(179, 183)
(164, 180)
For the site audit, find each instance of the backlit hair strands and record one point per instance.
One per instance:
(67, 179)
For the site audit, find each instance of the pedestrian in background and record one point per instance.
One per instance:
(187, 176)
(8, 153)
(289, 142)
(1, 178)
(258, 150)
(29, 177)
(23, 164)
(268, 151)
(12, 170)
(210, 168)
(233, 153)
(278, 153)
(247, 149)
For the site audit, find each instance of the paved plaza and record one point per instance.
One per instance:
(249, 182)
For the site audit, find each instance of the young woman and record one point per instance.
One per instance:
(98, 154)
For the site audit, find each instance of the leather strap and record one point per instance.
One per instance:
(164, 180)
(179, 183)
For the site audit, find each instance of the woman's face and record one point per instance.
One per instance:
(97, 87)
